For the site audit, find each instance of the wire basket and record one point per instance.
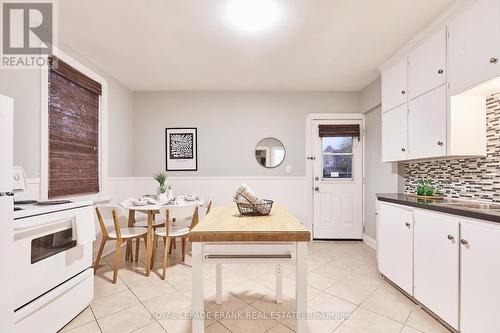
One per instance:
(249, 209)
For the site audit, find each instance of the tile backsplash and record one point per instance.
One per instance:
(473, 178)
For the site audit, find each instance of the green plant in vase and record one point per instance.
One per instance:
(161, 178)
(421, 187)
(429, 188)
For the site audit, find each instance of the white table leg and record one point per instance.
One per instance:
(197, 298)
(218, 284)
(279, 284)
(301, 286)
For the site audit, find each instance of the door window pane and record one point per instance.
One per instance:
(337, 166)
(337, 144)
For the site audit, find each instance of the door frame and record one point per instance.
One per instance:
(309, 163)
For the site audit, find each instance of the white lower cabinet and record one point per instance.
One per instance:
(436, 263)
(395, 245)
(480, 278)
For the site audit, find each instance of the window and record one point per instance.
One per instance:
(337, 157)
(73, 131)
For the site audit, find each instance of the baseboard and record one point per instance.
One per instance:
(370, 241)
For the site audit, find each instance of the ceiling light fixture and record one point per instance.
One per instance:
(253, 16)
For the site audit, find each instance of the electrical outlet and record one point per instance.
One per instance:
(288, 168)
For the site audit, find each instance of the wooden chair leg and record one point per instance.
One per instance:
(166, 240)
(183, 241)
(128, 251)
(137, 241)
(172, 244)
(155, 248)
(99, 253)
(117, 259)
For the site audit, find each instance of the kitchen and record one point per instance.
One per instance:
(126, 179)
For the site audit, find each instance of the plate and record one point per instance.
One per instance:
(139, 202)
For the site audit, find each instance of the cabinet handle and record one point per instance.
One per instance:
(493, 60)
(403, 149)
(407, 225)
(450, 237)
(440, 71)
(403, 92)
(464, 242)
(440, 143)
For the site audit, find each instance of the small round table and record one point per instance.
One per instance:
(151, 210)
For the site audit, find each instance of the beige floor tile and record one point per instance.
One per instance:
(86, 316)
(354, 288)
(407, 329)
(154, 327)
(249, 291)
(252, 321)
(155, 288)
(126, 321)
(217, 328)
(389, 302)
(104, 287)
(421, 320)
(330, 304)
(280, 329)
(288, 289)
(171, 303)
(229, 303)
(90, 327)
(344, 328)
(366, 321)
(113, 303)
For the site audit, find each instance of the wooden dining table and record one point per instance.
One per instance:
(225, 237)
(151, 210)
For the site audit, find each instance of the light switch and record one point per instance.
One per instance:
(288, 168)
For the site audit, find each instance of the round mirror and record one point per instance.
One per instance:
(270, 152)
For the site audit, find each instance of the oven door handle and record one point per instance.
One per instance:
(39, 224)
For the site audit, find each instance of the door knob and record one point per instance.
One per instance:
(440, 71)
(464, 242)
(316, 189)
(440, 143)
(493, 60)
(450, 237)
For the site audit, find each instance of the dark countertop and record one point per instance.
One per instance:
(473, 209)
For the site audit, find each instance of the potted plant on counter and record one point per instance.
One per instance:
(161, 178)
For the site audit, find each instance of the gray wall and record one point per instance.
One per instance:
(380, 177)
(230, 124)
(24, 87)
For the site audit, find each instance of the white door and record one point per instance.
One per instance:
(394, 85)
(338, 184)
(480, 274)
(427, 124)
(473, 45)
(395, 245)
(395, 134)
(427, 65)
(436, 268)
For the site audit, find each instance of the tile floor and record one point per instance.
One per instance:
(342, 276)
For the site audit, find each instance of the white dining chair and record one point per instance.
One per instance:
(170, 231)
(119, 233)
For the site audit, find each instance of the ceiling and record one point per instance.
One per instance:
(186, 45)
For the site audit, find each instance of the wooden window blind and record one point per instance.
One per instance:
(350, 130)
(73, 131)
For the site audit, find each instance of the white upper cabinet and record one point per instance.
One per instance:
(394, 85)
(427, 124)
(474, 45)
(395, 134)
(395, 245)
(427, 65)
(436, 267)
(480, 274)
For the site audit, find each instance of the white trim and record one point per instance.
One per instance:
(370, 241)
(44, 127)
(296, 178)
(310, 152)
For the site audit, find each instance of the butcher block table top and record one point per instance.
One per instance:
(225, 224)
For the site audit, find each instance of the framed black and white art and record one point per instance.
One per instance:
(181, 149)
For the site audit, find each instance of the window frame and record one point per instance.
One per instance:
(323, 154)
(44, 129)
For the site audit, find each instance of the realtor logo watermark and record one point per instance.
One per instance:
(27, 33)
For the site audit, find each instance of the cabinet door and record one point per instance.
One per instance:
(427, 65)
(394, 85)
(427, 124)
(436, 267)
(480, 276)
(395, 245)
(474, 45)
(395, 134)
